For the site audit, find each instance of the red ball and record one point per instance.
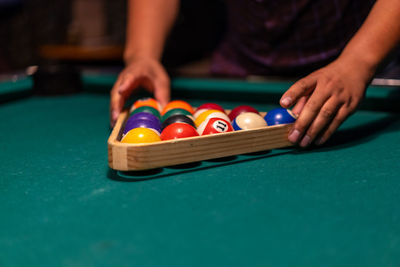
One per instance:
(240, 109)
(211, 106)
(178, 130)
(214, 125)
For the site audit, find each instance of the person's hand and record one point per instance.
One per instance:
(324, 99)
(139, 73)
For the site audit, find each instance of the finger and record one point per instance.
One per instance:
(133, 82)
(299, 105)
(124, 82)
(162, 91)
(116, 104)
(321, 122)
(122, 89)
(308, 114)
(340, 117)
(302, 87)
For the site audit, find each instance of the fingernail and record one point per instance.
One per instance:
(294, 136)
(306, 141)
(319, 141)
(286, 101)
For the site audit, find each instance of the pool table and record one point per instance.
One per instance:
(61, 205)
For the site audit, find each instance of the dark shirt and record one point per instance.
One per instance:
(286, 37)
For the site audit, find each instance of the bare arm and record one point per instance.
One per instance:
(326, 97)
(379, 34)
(149, 22)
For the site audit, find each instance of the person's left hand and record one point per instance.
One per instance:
(324, 99)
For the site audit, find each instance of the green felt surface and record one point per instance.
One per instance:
(61, 205)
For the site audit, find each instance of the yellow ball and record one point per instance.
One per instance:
(199, 112)
(208, 114)
(140, 135)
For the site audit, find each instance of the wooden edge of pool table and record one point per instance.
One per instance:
(130, 157)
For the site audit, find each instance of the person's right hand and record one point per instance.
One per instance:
(145, 73)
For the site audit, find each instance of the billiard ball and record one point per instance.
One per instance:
(240, 109)
(212, 113)
(146, 102)
(205, 107)
(248, 120)
(198, 112)
(279, 116)
(142, 123)
(177, 118)
(140, 135)
(178, 130)
(143, 116)
(175, 111)
(210, 106)
(147, 109)
(213, 126)
(178, 104)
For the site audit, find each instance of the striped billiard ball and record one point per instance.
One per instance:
(248, 120)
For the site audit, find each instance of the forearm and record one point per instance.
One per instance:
(149, 22)
(379, 34)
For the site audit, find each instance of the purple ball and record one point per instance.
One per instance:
(142, 123)
(143, 116)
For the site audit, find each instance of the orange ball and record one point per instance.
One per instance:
(146, 102)
(178, 104)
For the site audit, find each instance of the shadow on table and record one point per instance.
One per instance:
(137, 176)
(357, 135)
(342, 139)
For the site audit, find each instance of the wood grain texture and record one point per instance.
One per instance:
(127, 157)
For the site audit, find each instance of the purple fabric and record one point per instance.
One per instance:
(286, 37)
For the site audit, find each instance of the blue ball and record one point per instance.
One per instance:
(235, 125)
(279, 116)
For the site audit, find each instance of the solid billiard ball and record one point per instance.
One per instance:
(142, 123)
(146, 102)
(279, 116)
(175, 111)
(143, 116)
(177, 118)
(147, 109)
(212, 113)
(240, 109)
(178, 104)
(213, 126)
(141, 135)
(210, 106)
(178, 130)
(248, 120)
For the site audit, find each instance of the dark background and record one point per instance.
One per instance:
(26, 25)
